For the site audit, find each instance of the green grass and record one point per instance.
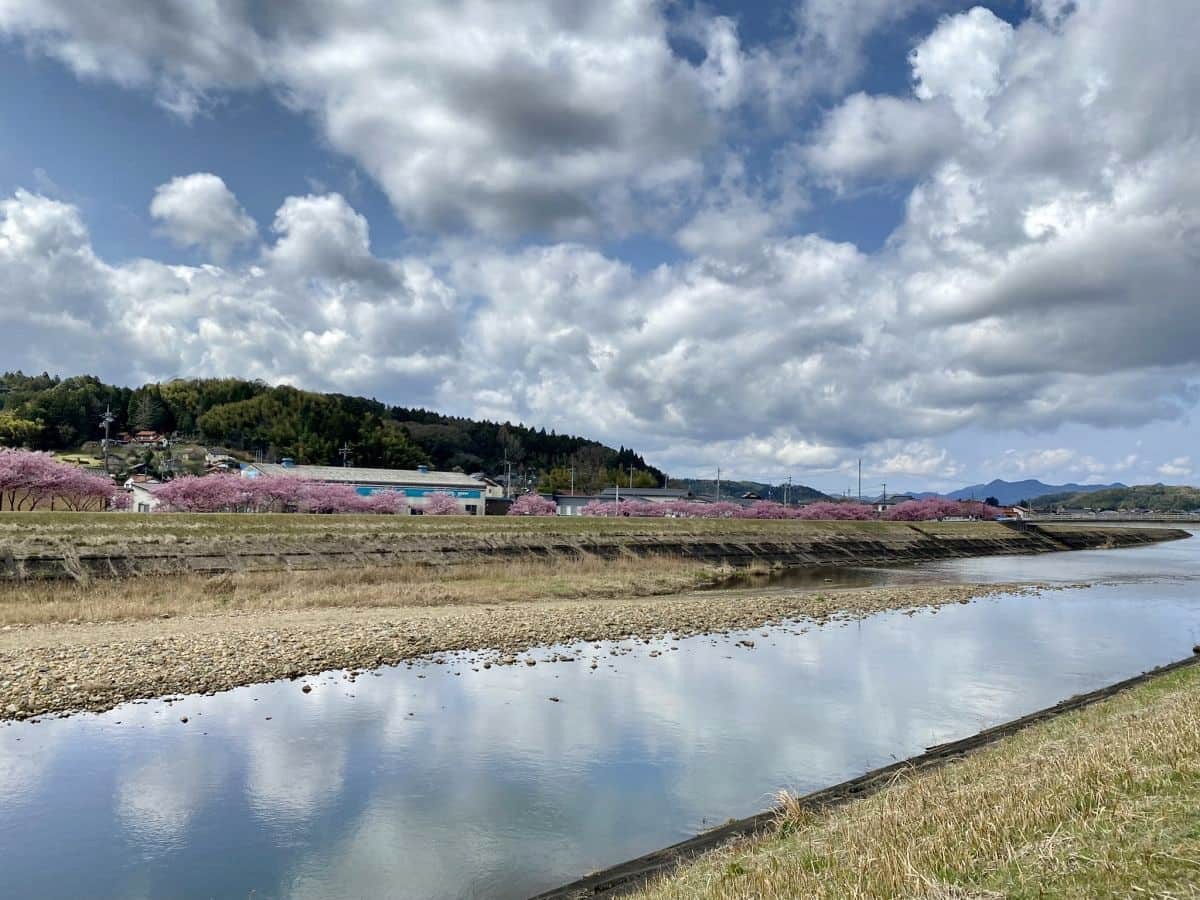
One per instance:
(1101, 802)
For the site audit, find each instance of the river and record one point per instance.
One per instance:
(451, 780)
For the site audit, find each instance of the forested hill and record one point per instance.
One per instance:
(1153, 497)
(48, 413)
(794, 493)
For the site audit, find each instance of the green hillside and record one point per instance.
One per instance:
(1153, 497)
(703, 487)
(250, 418)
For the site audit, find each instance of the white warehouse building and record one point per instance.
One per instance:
(416, 485)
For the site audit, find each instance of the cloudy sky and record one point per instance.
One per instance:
(957, 241)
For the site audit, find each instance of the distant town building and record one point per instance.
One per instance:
(414, 484)
(142, 491)
(652, 495)
(883, 504)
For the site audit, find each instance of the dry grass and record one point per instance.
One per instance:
(1103, 802)
(560, 578)
(112, 529)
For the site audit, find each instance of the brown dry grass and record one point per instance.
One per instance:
(1103, 802)
(397, 586)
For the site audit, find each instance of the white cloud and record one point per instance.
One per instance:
(200, 211)
(883, 136)
(317, 310)
(1180, 467)
(1043, 272)
(962, 60)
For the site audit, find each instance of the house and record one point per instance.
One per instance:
(573, 504)
(142, 491)
(413, 484)
(493, 490)
(148, 438)
(883, 504)
(215, 459)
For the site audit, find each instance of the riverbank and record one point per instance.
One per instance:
(62, 667)
(84, 547)
(1096, 802)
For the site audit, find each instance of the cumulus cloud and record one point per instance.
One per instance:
(1042, 270)
(200, 211)
(1180, 467)
(317, 309)
(883, 137)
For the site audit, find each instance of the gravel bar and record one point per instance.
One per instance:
(64, 668)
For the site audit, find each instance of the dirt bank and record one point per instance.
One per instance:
(63, 667)
(84, 547)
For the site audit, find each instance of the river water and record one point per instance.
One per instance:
(451, 780)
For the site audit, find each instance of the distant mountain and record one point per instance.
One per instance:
(1010, 492)
(707, 487)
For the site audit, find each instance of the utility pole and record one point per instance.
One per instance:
(572, 481)
(631, 476)
(787, 492)
(718, 484)
(345, 451)
(884, 500)
(860, 479)
(106, 421)
(617, 504)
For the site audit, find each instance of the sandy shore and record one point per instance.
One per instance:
(95, 666)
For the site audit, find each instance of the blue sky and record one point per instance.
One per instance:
(950, 239)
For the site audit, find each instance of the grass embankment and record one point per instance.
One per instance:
(95, 530)
(1101, 802)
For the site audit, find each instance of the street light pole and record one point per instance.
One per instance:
(106, 421)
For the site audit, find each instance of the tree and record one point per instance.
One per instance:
(441, 504)
(992, 501)
(384, 443)
(18, 432)
(533, 505)
(31, 480)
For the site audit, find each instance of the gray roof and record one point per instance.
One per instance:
(356, 475)
(667, 493)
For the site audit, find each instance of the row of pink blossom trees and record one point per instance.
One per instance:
(760, 509)
(284, 493)
(911, 511)
(31, 480)
(533, 505)
(936, 508)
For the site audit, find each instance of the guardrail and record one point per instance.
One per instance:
(1114, 517)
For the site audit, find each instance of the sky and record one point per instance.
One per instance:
(954, 241)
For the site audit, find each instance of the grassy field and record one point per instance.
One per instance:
(1102, 802)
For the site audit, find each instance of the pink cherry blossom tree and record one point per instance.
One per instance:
(533, 505)
(441, 504)
(837, 511)
(30, 480)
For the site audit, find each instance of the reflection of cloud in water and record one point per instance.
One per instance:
(157, 799)
(290, 777)
(476, 783)
(23, 763)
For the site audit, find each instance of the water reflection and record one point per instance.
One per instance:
(472, 782)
